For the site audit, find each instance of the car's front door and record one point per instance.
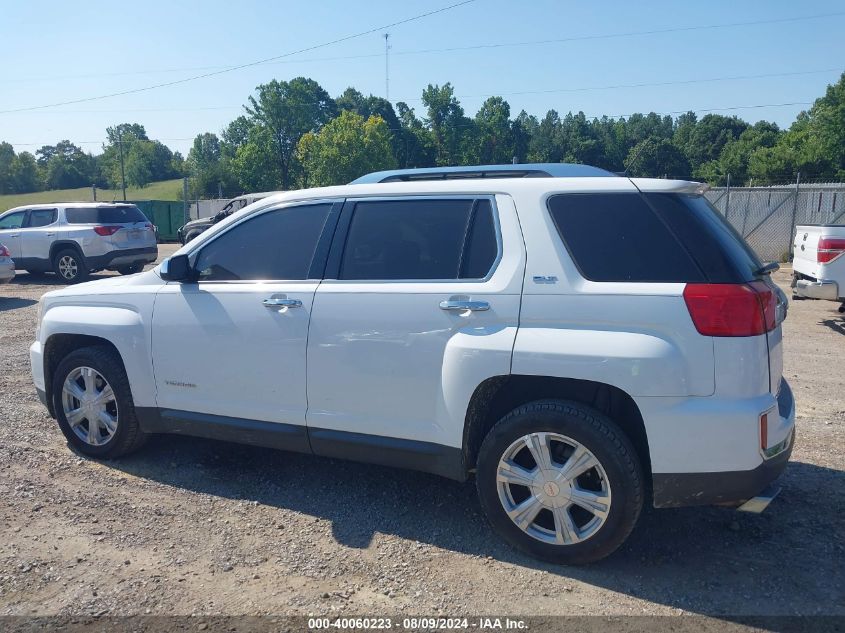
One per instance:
(229, 348)
(10, 232)
(419, 306)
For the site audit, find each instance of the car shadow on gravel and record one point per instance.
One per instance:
(49, 279)
(13, 303)
(837, 325)
(713, 561)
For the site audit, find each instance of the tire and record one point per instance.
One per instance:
(617, 482)
(125, 436)
(131, 270)
(70, 266)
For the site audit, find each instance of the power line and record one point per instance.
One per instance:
(277, 60)
(496, 94)
(246, 65)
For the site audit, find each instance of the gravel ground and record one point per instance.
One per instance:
(192, 526)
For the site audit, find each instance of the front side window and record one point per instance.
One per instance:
(437, 239)
(41, 217)
(277, 245)
(617, 237)
(12, 221)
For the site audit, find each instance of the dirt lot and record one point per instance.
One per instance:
(193, 526)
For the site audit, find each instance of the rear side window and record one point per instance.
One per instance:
(618, 237)
(41, 217)
(121, 214)
(435, 239)
(719, 250)
(278, 245)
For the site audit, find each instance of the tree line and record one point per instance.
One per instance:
(66, 166)
(294, 134)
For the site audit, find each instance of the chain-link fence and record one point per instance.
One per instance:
(766, 216)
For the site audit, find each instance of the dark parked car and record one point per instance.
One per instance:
(193, 228)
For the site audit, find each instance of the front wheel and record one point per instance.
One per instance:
(93, 403)
(560, 481)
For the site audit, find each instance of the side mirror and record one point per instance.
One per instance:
(176, 268)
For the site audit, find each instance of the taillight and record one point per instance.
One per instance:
(731, 309)
(4, 252)
(829, 249)
(106, 230)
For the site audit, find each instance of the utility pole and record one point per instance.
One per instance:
(122, 170)
(386, 66)
(185, 202)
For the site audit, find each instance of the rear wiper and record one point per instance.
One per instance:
(767, 269)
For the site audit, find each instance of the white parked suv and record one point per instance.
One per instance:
(76, 238)
(579, 342)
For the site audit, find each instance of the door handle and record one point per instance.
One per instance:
(463, 306)
(50, 234)
(282, 303)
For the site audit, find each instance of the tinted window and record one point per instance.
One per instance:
(12, 221)
(418, 239)
(278, 244)
(720, 251)
(122, 214)
(617, 237)
(481, 247)
(41, 217)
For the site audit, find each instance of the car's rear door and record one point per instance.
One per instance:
(38, 234)
(419, 306)
(229, 348)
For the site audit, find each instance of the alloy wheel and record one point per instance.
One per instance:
(553, 488)
(90, 406)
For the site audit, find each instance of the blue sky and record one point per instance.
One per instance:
(58, 51)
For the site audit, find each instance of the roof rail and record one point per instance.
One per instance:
(528, 170)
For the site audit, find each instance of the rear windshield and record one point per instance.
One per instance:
(122, 214)
(717, 247)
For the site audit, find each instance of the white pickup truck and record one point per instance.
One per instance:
(818, 264)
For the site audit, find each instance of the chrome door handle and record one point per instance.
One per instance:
(50, 234)
(282, 303)
(463, 306)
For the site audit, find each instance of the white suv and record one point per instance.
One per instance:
(76, 238)
(580, 342)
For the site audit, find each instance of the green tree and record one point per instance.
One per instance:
(7, 158)
(450, 129)
(494, 132)
(657, 158)
(415, 146)
(66, 166)
(346, 148)
(203, 164)
(25, 176)
(289, 110)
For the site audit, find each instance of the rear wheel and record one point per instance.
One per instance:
(132, 269)
(70, 266)
(93, 403)
(560, 481)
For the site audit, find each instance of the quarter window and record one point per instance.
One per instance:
(277, 245)
(617, 237)
(420, 239)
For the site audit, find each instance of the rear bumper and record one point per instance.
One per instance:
(817, 289)
(125, 257)
(7, 271)
(672, 490)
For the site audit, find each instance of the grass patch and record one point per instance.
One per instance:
(162, 190)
